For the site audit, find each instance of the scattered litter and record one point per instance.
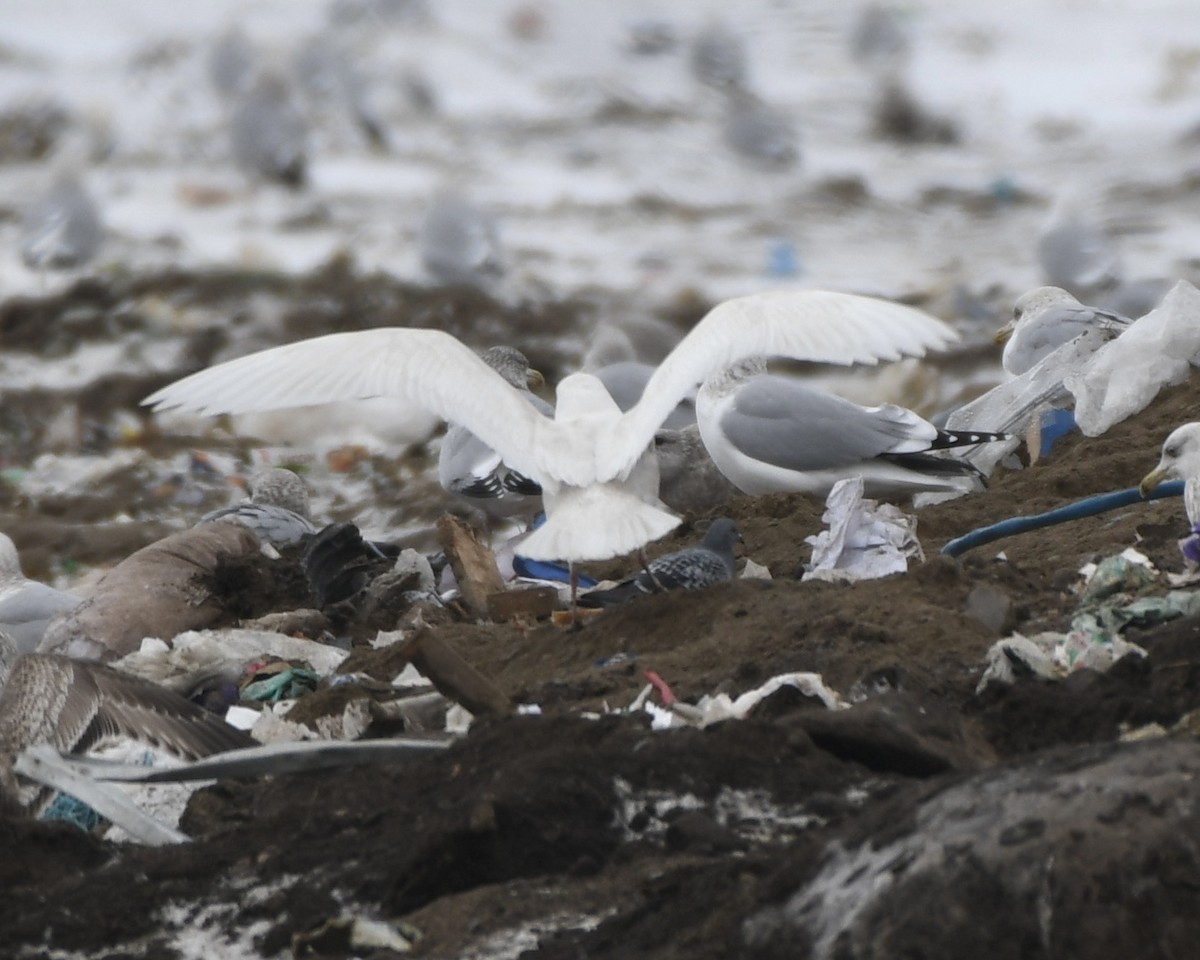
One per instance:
(280, 680)
(197, 649)
(43, 764)
(1128, 571)
(1126, 374)
(714, 709)
(355, 933)
(755, 571)
(1108, 603)
(865, 539)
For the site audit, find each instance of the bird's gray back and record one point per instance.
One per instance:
(782, 422)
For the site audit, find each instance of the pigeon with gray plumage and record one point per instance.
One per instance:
(692, 568)
(277, 511)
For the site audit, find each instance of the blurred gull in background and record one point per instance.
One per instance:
(62, 228)
(717, 57)
(268, 132)
(460, 242)
(1076, 252)
(760, 132)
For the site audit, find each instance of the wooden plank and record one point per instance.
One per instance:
(453, 677)
(530, 603)
(473, 564)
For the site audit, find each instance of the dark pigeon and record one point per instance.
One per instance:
(692, 568)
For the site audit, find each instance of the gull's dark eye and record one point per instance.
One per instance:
(1171, 452)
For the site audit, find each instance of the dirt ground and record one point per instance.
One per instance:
(573, 837)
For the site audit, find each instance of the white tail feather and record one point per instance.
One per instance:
(595, 523)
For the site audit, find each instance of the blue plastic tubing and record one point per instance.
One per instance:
(1087, 507)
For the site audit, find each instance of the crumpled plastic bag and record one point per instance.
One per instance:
(1126, 374)
(865, 539)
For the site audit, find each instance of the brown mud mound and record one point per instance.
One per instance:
(926, 820)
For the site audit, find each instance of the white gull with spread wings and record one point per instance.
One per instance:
(594, 463)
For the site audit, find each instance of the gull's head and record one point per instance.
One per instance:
(281, 488)
(1180, 458)
(1030, 305)
(10, 563)
(581, 396)
(513, 366)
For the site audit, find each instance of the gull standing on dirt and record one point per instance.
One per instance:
(26, 606)
(596, 465)
(469, 468)
(717, 57)
(460, 242)
(692, 568)
(62, 229)
(1181, 461)
(1076, 252)
(268, 134)
(771, 434)
(1043, 320)
(74, 705)
(278, 509)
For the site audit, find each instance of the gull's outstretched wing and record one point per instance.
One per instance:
(818, 325)
(427, 367)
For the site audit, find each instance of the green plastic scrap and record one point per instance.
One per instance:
(1116, 574)
(285, 685)
(75, 812)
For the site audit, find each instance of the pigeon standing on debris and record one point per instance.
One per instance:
(460, 242)
(1181, 461)
(26, 606)
(62, 228)
(692, 568)
(268, 133)
(595, 465)
(770, 434)
(469, 468)
(1046, 318)
(74, 705)
(278, 510)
